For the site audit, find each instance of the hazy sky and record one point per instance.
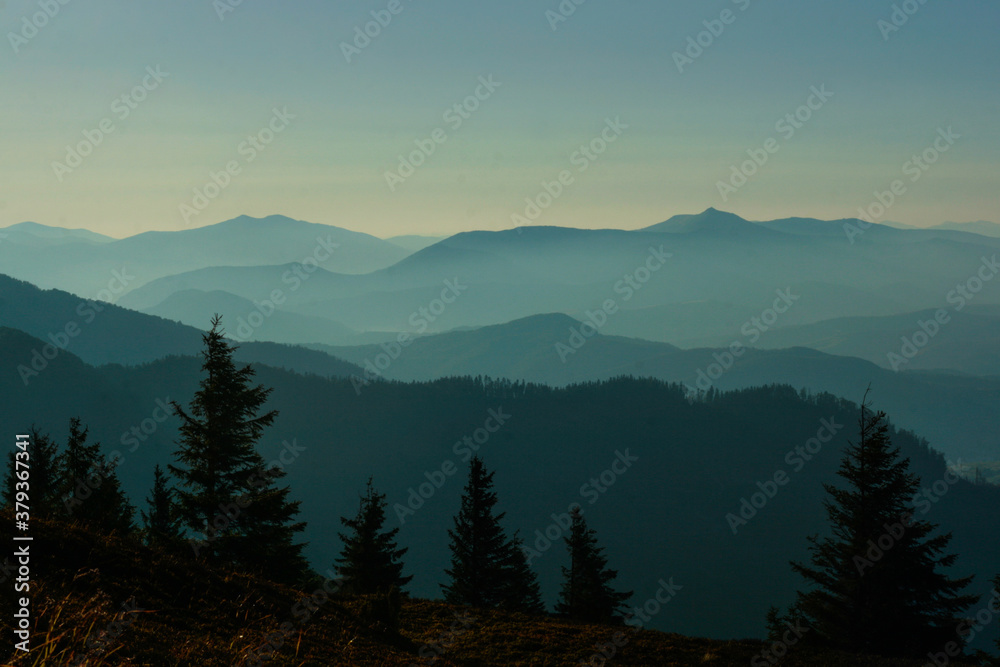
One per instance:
(892, 92)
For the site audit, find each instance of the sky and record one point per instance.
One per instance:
(669, 124)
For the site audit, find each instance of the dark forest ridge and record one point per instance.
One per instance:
(697, 459)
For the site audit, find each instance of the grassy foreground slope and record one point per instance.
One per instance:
(108, 601)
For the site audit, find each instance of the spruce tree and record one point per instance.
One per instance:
(227, 496)
(587, 594)
(45, 483)
(369, 562)
(91, 491)
(161, 526)
(268, 528)
(523, 592)
(878, 583)
(481, 558)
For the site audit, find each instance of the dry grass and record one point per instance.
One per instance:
(177, 612)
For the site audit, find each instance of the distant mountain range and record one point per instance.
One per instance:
(85, 266)
(713, 272)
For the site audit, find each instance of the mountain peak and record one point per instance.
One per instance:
(709, 220)
(267, 220)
